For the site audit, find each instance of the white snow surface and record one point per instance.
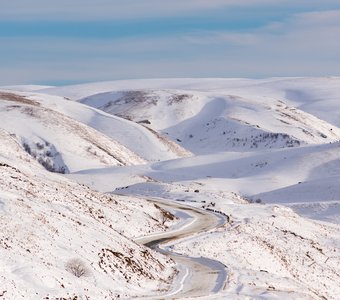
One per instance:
(264, 152)
(57, 140)
(222, 116)
(48, 222)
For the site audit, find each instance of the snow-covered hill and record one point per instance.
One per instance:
(62, 240)
(59, 143)
(141, 140)
(209, 122)
(264, 153)
(317, 96)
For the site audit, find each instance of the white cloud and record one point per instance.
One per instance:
(104, 9)
(318, 18)
(119, 9)
(317, 29)
(305, 44)
(213, 37)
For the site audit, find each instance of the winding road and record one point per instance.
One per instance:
(198, 276)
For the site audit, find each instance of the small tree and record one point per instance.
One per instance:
(77, 267)
(164, 215)
(163, 218)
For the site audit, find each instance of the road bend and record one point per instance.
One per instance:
(198, 276)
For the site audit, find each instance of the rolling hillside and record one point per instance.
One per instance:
(262, 154)
(60, 239)
(206, 122)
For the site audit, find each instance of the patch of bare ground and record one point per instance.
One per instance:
(17, 98)
(179, 98)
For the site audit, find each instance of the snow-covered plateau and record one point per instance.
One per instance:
(171, 189)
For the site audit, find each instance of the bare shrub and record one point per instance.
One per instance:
(251, 200)
(178, 98)
(40, 146)
(77, 267)
(47, 164)
(27, 148)
(164, 215)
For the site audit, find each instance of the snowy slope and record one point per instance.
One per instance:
(58, 142)
(26, 88)
(209, 122)
(213, 115)
(270, 251)
(305, 175)
(141, 140)
(317, 96)
(263, 152)
(49, 224)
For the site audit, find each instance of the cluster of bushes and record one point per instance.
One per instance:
(45, 154)
(267, 139)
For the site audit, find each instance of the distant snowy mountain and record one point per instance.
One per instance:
(209, 122)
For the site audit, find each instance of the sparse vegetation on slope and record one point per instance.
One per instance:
(244, 152)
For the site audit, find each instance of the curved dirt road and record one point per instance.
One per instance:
(198, 276)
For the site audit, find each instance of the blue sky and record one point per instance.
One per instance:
(61, 42)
